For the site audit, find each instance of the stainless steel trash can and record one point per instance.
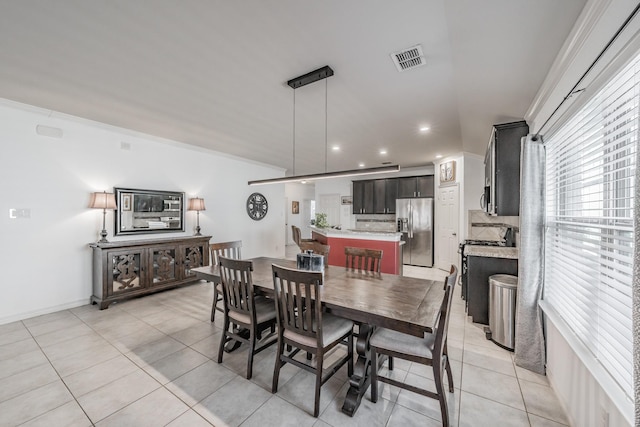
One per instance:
(502, 310)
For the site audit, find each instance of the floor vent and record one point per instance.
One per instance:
(408, 58)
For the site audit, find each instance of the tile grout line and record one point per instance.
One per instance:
(59, 377)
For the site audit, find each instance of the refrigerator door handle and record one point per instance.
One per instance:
(410, 222)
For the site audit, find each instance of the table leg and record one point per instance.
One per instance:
(361, 378)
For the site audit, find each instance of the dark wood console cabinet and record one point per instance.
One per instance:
(133, 268)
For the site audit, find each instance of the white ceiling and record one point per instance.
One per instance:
(213, 73)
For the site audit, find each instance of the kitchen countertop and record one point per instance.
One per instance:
(491, 251)
(389, 236)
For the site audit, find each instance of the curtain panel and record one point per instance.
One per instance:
(530, 345)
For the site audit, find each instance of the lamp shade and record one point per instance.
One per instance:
(102, 200)
(196, 204)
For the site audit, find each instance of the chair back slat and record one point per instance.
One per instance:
(237, 286)
(225, 249)
(363, 259)
(298, 306)
(442, 325)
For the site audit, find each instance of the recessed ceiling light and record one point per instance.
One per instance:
(361, 165)
(383, 151)
(303, 182)
(335, 148)
(424, 128)
(438, 156)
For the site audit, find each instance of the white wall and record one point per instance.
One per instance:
(46, 261)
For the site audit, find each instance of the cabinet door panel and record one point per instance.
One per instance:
(425, 186)
(379, 196)
(358, 197)
(367, 202)
(391, 194)
(193, 256)
(124, 271)
(407, 187)
(164, 262)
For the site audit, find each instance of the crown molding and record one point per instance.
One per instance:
(582, 30)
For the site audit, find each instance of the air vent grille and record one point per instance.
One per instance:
(408, 58)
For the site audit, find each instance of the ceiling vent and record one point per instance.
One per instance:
(408, 58)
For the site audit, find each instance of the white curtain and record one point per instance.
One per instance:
(529, 345)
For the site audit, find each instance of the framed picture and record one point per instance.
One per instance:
(448, 172)
(347, 200)
(295, 207)
(126, 202)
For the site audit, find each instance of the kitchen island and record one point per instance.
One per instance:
(388, 241)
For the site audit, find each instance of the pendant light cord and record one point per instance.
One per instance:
(294, 132)
(326, 149)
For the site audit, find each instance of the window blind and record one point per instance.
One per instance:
(589, 222)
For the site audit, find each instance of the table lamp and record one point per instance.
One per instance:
(197, 204)
(103, 201)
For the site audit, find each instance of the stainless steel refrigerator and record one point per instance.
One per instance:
(415, 220)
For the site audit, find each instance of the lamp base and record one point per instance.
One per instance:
(103, 234)
(197, 231)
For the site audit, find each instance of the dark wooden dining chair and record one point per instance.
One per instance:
(227, 250)
(430, 350)
(317, 248)
(363, 259)
(303, 326)
(243, 310)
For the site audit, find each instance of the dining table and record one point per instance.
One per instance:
(405, 304)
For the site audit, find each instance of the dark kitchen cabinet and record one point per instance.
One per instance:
(502, 168)
(478, 270)
(363, 195)
(378, 196)
(415, 186)
(384, 196)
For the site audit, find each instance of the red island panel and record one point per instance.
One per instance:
(391, 261)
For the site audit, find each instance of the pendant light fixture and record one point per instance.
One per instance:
(312, 77)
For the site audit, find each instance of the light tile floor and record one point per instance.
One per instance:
(151, 362)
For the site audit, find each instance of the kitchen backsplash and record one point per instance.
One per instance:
(376, 222)
(487, 227)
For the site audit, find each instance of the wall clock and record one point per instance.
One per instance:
(448, 172)
(257, 206)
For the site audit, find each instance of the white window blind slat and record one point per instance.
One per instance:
(589, 241)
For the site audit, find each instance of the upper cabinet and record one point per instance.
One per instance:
(363, 197)
(379, 196)
(384, 197)
(415, 186)
(502, 169)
